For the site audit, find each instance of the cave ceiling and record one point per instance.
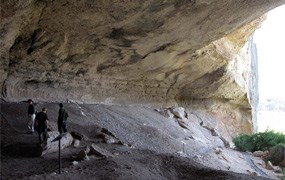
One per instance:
(125, 50)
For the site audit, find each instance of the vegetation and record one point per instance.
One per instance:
(283, 176)
(261, 141)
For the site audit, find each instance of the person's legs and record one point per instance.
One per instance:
(40, 137)
(64, 127)
(33, 122)
(59, 127)
(45, 135)
(41, 134)
(29, 123)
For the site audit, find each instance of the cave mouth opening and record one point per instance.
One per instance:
(269, 40)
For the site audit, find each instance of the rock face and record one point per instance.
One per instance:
(131, 51)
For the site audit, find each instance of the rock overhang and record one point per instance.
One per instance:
(124, 51)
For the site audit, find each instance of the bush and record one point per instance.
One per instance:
(243, 142)
(277, 154)
(261, 141)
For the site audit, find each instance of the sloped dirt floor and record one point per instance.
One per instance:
(148, 152)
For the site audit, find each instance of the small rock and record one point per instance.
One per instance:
(120, 143)
(214, 132)
(82, 156)
(182, 123)
(269, 166)
(76, 143)
(253, 173)
(166, 113)
(277, 169)
(218, 150)
(96, 150)
(240, 156)
(179, 112)
(76, 135)
(109, 139)
(198, 157)
(128, 145)
(74, 163)
(226, 143)
(87, 149)
(106, 131)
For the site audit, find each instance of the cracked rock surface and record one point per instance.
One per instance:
(132, 52)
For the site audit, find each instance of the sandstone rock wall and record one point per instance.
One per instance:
(128, 51)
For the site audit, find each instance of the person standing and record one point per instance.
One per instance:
(61, 120)
(42, 124)
(31, 117)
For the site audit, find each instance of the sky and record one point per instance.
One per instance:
(270, 40)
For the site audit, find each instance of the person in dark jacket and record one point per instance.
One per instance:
(31, 117)
(42, 124)
(61, 120)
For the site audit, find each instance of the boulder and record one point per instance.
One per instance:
(261, 154)
(166, 113)
(98, 151)
(108, 137)
(276, 169)
(50, 147)
(76, 135)
(179, 112)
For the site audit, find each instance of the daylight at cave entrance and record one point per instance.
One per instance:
(270, 40)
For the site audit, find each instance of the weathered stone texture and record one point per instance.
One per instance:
(127, 51)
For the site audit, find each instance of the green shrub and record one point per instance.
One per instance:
(243, 142)
(276, 154)
(261, 141)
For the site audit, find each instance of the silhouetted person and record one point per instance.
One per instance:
(31, 117)
(41, 124)
(61, 120)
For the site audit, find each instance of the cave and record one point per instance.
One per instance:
(170, 82)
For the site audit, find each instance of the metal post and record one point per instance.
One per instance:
(58, 138)
(59, 163)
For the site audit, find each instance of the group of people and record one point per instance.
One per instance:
(39, 121)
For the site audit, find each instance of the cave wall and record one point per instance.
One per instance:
(130, 51)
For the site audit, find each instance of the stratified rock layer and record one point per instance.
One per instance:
(130, 51)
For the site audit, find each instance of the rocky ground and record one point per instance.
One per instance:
(137, 143)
